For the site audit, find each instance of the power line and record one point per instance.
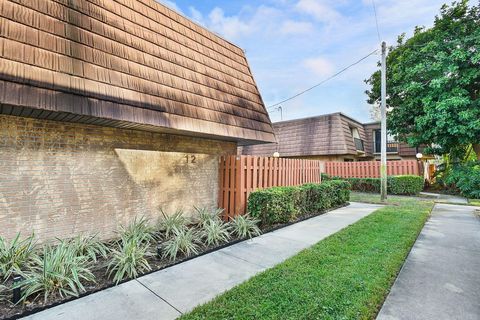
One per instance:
(376, 20)
(270, 108)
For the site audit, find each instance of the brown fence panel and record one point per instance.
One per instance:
(241, 175)
(371, 169)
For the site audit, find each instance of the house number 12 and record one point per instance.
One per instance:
(191, 158)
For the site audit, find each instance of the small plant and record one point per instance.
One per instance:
(58, 270)
(170, 223)
(3, 293)
(129, 258)
(244, 226)
(15, 256)
(205, 215)
(215, 232)
(89, 246)
(140, 230)
(183, 241)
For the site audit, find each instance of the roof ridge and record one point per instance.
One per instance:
(319, 116)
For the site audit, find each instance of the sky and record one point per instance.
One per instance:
(292, 45)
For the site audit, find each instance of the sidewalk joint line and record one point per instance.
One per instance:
(245, 260)
(171, 305)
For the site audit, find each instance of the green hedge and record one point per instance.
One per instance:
(409, 185)
(274, 205)
(285, 204)
(399, 185)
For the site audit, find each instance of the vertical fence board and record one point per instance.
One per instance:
(231, 207)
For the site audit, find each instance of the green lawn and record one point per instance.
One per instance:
(474, 202)
(392, 200)
(346, 276)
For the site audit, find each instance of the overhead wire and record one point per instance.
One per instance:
(271, 107)
(376, 20)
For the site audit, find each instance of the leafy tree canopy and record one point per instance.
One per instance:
(433, 82)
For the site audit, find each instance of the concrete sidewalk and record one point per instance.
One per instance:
(441, 276)
(445, 198)
(168, 293)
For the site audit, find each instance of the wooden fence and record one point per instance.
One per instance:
(240, 175)
(371, 169)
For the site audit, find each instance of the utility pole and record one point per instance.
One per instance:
(383, 111)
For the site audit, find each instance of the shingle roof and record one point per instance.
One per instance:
(322, 135)
(130, 63)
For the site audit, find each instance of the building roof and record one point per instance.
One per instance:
(126, 63)
(328, 134)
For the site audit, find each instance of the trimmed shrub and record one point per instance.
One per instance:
(400, 185)
(274, 205)
(327, 177)
(408, 185)
(341, 192)
(317, 197)
(364, 184)
(284, 204)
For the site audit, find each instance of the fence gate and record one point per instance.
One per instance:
(241, 175)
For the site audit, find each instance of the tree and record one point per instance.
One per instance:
(433, 83)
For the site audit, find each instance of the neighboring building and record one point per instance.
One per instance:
(331, 137)
(115, 109)
(395, 150)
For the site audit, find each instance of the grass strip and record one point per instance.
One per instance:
(474, 202)
(346, 276)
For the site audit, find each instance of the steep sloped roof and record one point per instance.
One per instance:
(128, 63)
(322, 135)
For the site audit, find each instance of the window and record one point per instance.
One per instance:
(357, 140)
(392, 144)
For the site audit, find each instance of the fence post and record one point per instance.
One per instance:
(231, 204)
(239, 185)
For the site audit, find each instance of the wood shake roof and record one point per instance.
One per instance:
(323, 135)
(127, 63)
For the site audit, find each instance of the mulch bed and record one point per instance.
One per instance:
(9, 311)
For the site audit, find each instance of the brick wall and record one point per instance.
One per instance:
(60, 179)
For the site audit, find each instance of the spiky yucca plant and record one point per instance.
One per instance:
(89, 246)
(205, 215)
(3, 292)
(57, 270)
(215, 232)
(15, 255)
(169, 223)
(139, 229)
(244, 226)
(129, 258)
(183, 241)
